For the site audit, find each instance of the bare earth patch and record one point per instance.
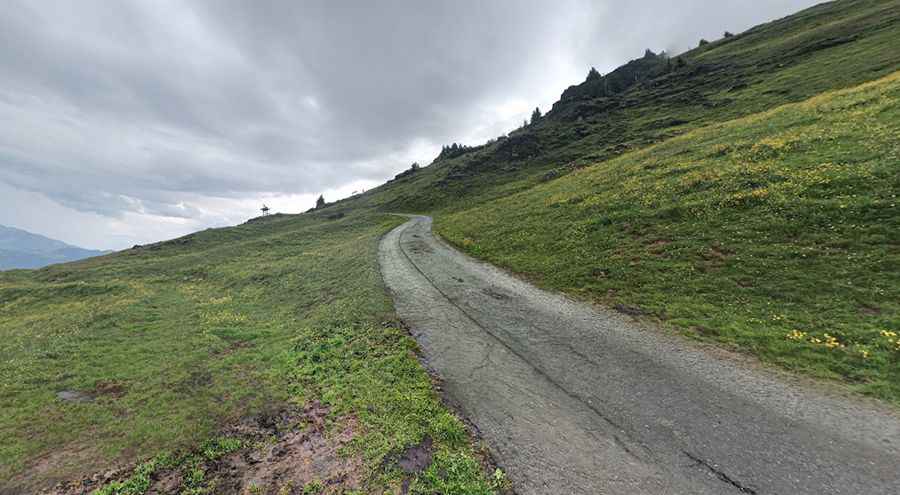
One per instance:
(298, 458)
(287, 451)
(50, 466)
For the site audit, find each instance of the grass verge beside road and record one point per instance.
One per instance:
(777, 233)
(148, 353)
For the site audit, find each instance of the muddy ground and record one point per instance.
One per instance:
(289, 451)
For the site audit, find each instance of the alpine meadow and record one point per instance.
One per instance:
(740, 198)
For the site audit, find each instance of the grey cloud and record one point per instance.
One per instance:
(158, 107)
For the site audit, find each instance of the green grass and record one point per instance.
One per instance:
(765, 233)
(777, 233)
(192, 465)
(830, 46)
(175, 340)
(715, 226)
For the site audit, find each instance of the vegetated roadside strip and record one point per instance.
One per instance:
(574, 399)
(777, 234)
(166, 344)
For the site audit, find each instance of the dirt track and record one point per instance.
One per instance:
(576, 399)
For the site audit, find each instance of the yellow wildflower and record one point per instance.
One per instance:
(831, 342)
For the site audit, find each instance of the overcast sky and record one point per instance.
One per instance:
(125, 122)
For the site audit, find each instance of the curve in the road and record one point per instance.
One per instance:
(576, 399)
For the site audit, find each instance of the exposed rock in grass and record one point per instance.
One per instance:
(74, 396)
(629, 310)
(550, 175)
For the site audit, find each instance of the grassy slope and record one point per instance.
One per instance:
(830, 46)
(778, 233)
(178, 339)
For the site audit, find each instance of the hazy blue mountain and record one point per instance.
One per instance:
(22, 249)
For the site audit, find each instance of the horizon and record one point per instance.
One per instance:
(147, 121)
(587, 248)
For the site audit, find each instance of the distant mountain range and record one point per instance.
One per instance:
(22, 249)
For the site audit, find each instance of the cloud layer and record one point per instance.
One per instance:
(134, 121)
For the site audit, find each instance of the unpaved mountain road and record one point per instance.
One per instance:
(574, 399)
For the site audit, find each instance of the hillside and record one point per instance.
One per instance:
(776, 233)
(21, 249)
(742, 193)
(663, 260)
(149, 353)
(830, 46)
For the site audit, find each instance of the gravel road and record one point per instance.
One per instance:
(573, 398)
